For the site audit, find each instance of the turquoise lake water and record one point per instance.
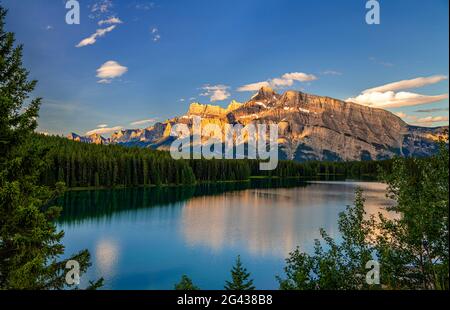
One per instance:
(147, 238)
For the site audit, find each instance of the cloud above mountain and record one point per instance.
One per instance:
(392, 99)
(385, 96)
(215, 92)
(110, 70)
(143, 122)
(407, 84)
(104, 130)
(422, 121)
(286, 80)
(253, 87)
(430, 120)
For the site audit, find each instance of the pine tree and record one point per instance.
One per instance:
(240, 278)
(185, 284)
(29, 240)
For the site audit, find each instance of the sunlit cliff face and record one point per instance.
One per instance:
(269, 221)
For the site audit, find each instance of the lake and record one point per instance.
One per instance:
(147, 238)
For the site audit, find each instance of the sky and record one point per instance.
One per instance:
(128, 64)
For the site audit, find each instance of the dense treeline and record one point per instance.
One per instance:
(344, 169)
(85, 165)
(88, 165)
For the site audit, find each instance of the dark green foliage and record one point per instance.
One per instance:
(239, 278)
(414, 249)
(185, 284)
(89, 165)
(29, 241)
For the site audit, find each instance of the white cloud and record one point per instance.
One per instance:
(286, 80)
(104, 130)
(280, 83)
(407, 84)
(216, 92)
(299, 76)
(144, 121)
(391, 99)
(110, 21)
(102, 125)
(385, 96)
(422, 121)
(93, 38)
(254, 86)
(430, 120)
(110, 70)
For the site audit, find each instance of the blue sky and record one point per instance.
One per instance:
(150, 59)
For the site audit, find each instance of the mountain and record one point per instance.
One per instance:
(310, 128)
(93, 138)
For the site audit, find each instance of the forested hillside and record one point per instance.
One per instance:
(89, 165)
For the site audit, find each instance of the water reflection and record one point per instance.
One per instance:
(96, 204)
(106, 256)
(273, 221)
(146, 238)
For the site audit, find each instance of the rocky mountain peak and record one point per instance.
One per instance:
(93, 138)
(311, 127)
(265, 93)
(72, 136)
(206, 110)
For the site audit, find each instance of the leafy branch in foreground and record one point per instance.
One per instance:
(337, 266)
(412, 248)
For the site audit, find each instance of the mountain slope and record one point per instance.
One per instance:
(310, 127)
